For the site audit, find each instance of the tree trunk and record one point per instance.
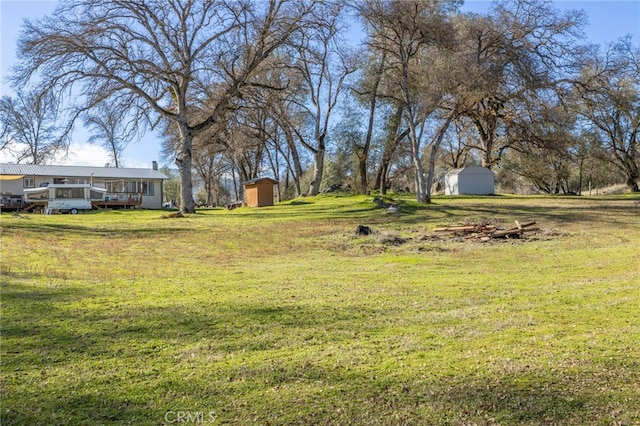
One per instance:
(434, 150)
(381, 179)
(486, 128)
(362, 168)
(318, 170)
(631, 165)
(297, 166)
(632, 182)
(391, 143)
(580, 170)
(210, 190)
(414, 142)
(362, 158)
(421, 184)
(183, 161)
(116, 157)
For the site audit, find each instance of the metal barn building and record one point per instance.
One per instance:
(469, 181)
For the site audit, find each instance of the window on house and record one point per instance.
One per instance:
(145, 187)
(75, 181)
(28, 182)
(114, 186)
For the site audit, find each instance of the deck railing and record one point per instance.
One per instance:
(123, 197)
(11, 202)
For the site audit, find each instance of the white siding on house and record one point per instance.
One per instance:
(155, 200)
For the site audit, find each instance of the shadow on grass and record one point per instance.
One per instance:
(61, 229)
(134, 359)
(299, 203)
(561, 210)
(13, 293)
(507, 401)
(589, 211)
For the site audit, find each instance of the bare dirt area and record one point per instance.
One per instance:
(370, 241)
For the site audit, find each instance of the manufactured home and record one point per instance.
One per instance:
(122, 187)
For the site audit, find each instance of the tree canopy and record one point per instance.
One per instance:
(243, 88)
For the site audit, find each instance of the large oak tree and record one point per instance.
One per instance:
(158, 56)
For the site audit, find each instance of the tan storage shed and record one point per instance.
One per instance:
(259, 192)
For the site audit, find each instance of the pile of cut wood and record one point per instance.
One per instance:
(485, 232)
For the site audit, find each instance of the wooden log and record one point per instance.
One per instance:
(481, 231)
(506, 232)
(465, 228)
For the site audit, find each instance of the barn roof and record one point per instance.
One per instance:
(79, 171)
(470, 171)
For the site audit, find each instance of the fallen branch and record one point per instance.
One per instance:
(172, 215)
(19, 216)
(485, 232)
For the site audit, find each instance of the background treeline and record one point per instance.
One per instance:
(320, 94)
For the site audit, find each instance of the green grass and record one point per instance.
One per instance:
(282, 315)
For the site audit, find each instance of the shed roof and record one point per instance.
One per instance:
(79, 171)
(470, 171)
(256, 180)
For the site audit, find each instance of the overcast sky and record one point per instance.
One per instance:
(608, 21)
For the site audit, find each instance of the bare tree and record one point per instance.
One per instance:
(289, 116)
(523, 47)
(457, 149)
(406, 31)
(547, 146)
(324, 67)
(159, 56)
(392, 139)
(30, 126)
(369, 94)
(210, 170)
(112, 129)
(609, 100)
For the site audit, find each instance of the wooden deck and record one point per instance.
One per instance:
(11, 202)
(119, 200)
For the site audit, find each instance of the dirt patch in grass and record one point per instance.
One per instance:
(424, 240)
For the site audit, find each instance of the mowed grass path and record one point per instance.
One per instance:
(282, 315)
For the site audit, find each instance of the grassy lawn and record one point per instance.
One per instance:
(282, 315)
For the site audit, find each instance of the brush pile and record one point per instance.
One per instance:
(484, 232)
